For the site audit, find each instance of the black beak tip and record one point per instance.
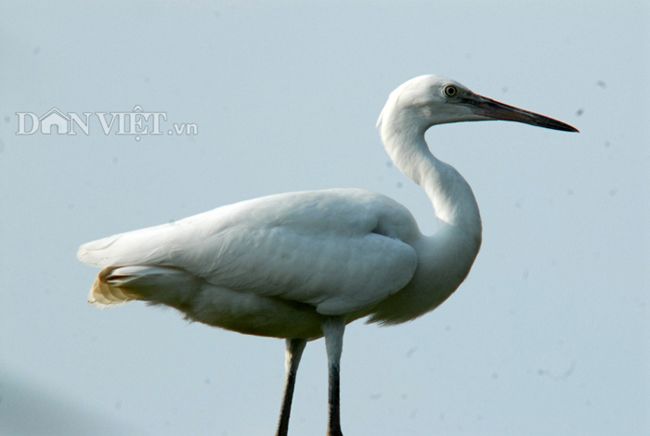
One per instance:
(550, 123)
(571, 129)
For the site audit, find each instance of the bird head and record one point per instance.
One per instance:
(429, 100)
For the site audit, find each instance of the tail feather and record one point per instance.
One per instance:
(107, 293)
(117, 286)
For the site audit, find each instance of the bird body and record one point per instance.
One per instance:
(272, 266)
(302, 265)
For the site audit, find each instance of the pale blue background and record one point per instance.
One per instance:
(548, 335)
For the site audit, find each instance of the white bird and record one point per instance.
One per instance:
(302, 265)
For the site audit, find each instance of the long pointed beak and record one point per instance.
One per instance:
(489, 108)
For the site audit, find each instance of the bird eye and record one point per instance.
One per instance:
(451, 91)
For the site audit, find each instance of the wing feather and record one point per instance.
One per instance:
(338, 250)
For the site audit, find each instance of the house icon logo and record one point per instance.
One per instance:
(54, 118)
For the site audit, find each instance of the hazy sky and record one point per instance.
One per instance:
(548, 335)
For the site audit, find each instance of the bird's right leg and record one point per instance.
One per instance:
(333, 329)
(295, 347)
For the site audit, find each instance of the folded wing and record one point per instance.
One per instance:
(339, 250)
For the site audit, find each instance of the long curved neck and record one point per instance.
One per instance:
(445, 258)
(451, 196)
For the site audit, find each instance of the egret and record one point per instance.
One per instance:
(302, 265)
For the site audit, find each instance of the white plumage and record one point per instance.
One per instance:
(334, 252)
(302, 265)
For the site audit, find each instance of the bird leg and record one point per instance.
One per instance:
(294, 350)
(333, 329)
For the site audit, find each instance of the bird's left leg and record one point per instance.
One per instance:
(295, 347)
(333, 329)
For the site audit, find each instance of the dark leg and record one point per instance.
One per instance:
(333, 329)
(295, 347)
